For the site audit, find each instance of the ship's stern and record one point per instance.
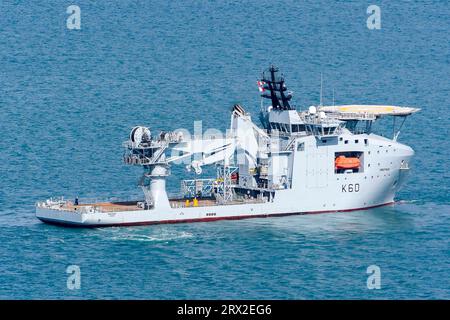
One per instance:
(60, 217)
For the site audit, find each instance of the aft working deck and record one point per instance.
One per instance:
(116, 206)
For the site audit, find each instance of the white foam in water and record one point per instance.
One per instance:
(147, 235)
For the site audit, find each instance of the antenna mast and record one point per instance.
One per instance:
(321, 89)
(333, 97)
(278, 93)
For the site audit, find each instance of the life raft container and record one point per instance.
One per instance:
(342, 162)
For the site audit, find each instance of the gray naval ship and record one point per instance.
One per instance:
(324, 159)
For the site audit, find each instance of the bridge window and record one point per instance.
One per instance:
(298, 127)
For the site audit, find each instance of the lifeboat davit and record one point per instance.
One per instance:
(342, 162)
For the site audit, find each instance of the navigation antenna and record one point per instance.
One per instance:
(278, 93)
(321, 90)
(333, 97)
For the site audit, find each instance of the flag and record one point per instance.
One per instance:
(261, 86)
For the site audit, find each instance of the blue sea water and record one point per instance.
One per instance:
(68, 98)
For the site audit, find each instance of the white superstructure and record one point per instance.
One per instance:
(320, 160)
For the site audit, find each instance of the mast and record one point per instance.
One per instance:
(321, 90)
(277, 89)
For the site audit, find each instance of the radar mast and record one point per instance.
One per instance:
(276, 86)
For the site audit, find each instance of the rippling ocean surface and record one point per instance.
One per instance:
(68, 99)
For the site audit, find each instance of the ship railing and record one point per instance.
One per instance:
(135, 159)
(94, 200)
(327, 121)
(193, 187)
(359, 131)
(98, 209)
(352, 116)
(290, 145)
(101, 209)
(83, 209)
(161, 141)
(146, 145)
(404, 165)
(53, 203)
(217, 202)
(85, 201)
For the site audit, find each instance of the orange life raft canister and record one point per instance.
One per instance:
(342, 162)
